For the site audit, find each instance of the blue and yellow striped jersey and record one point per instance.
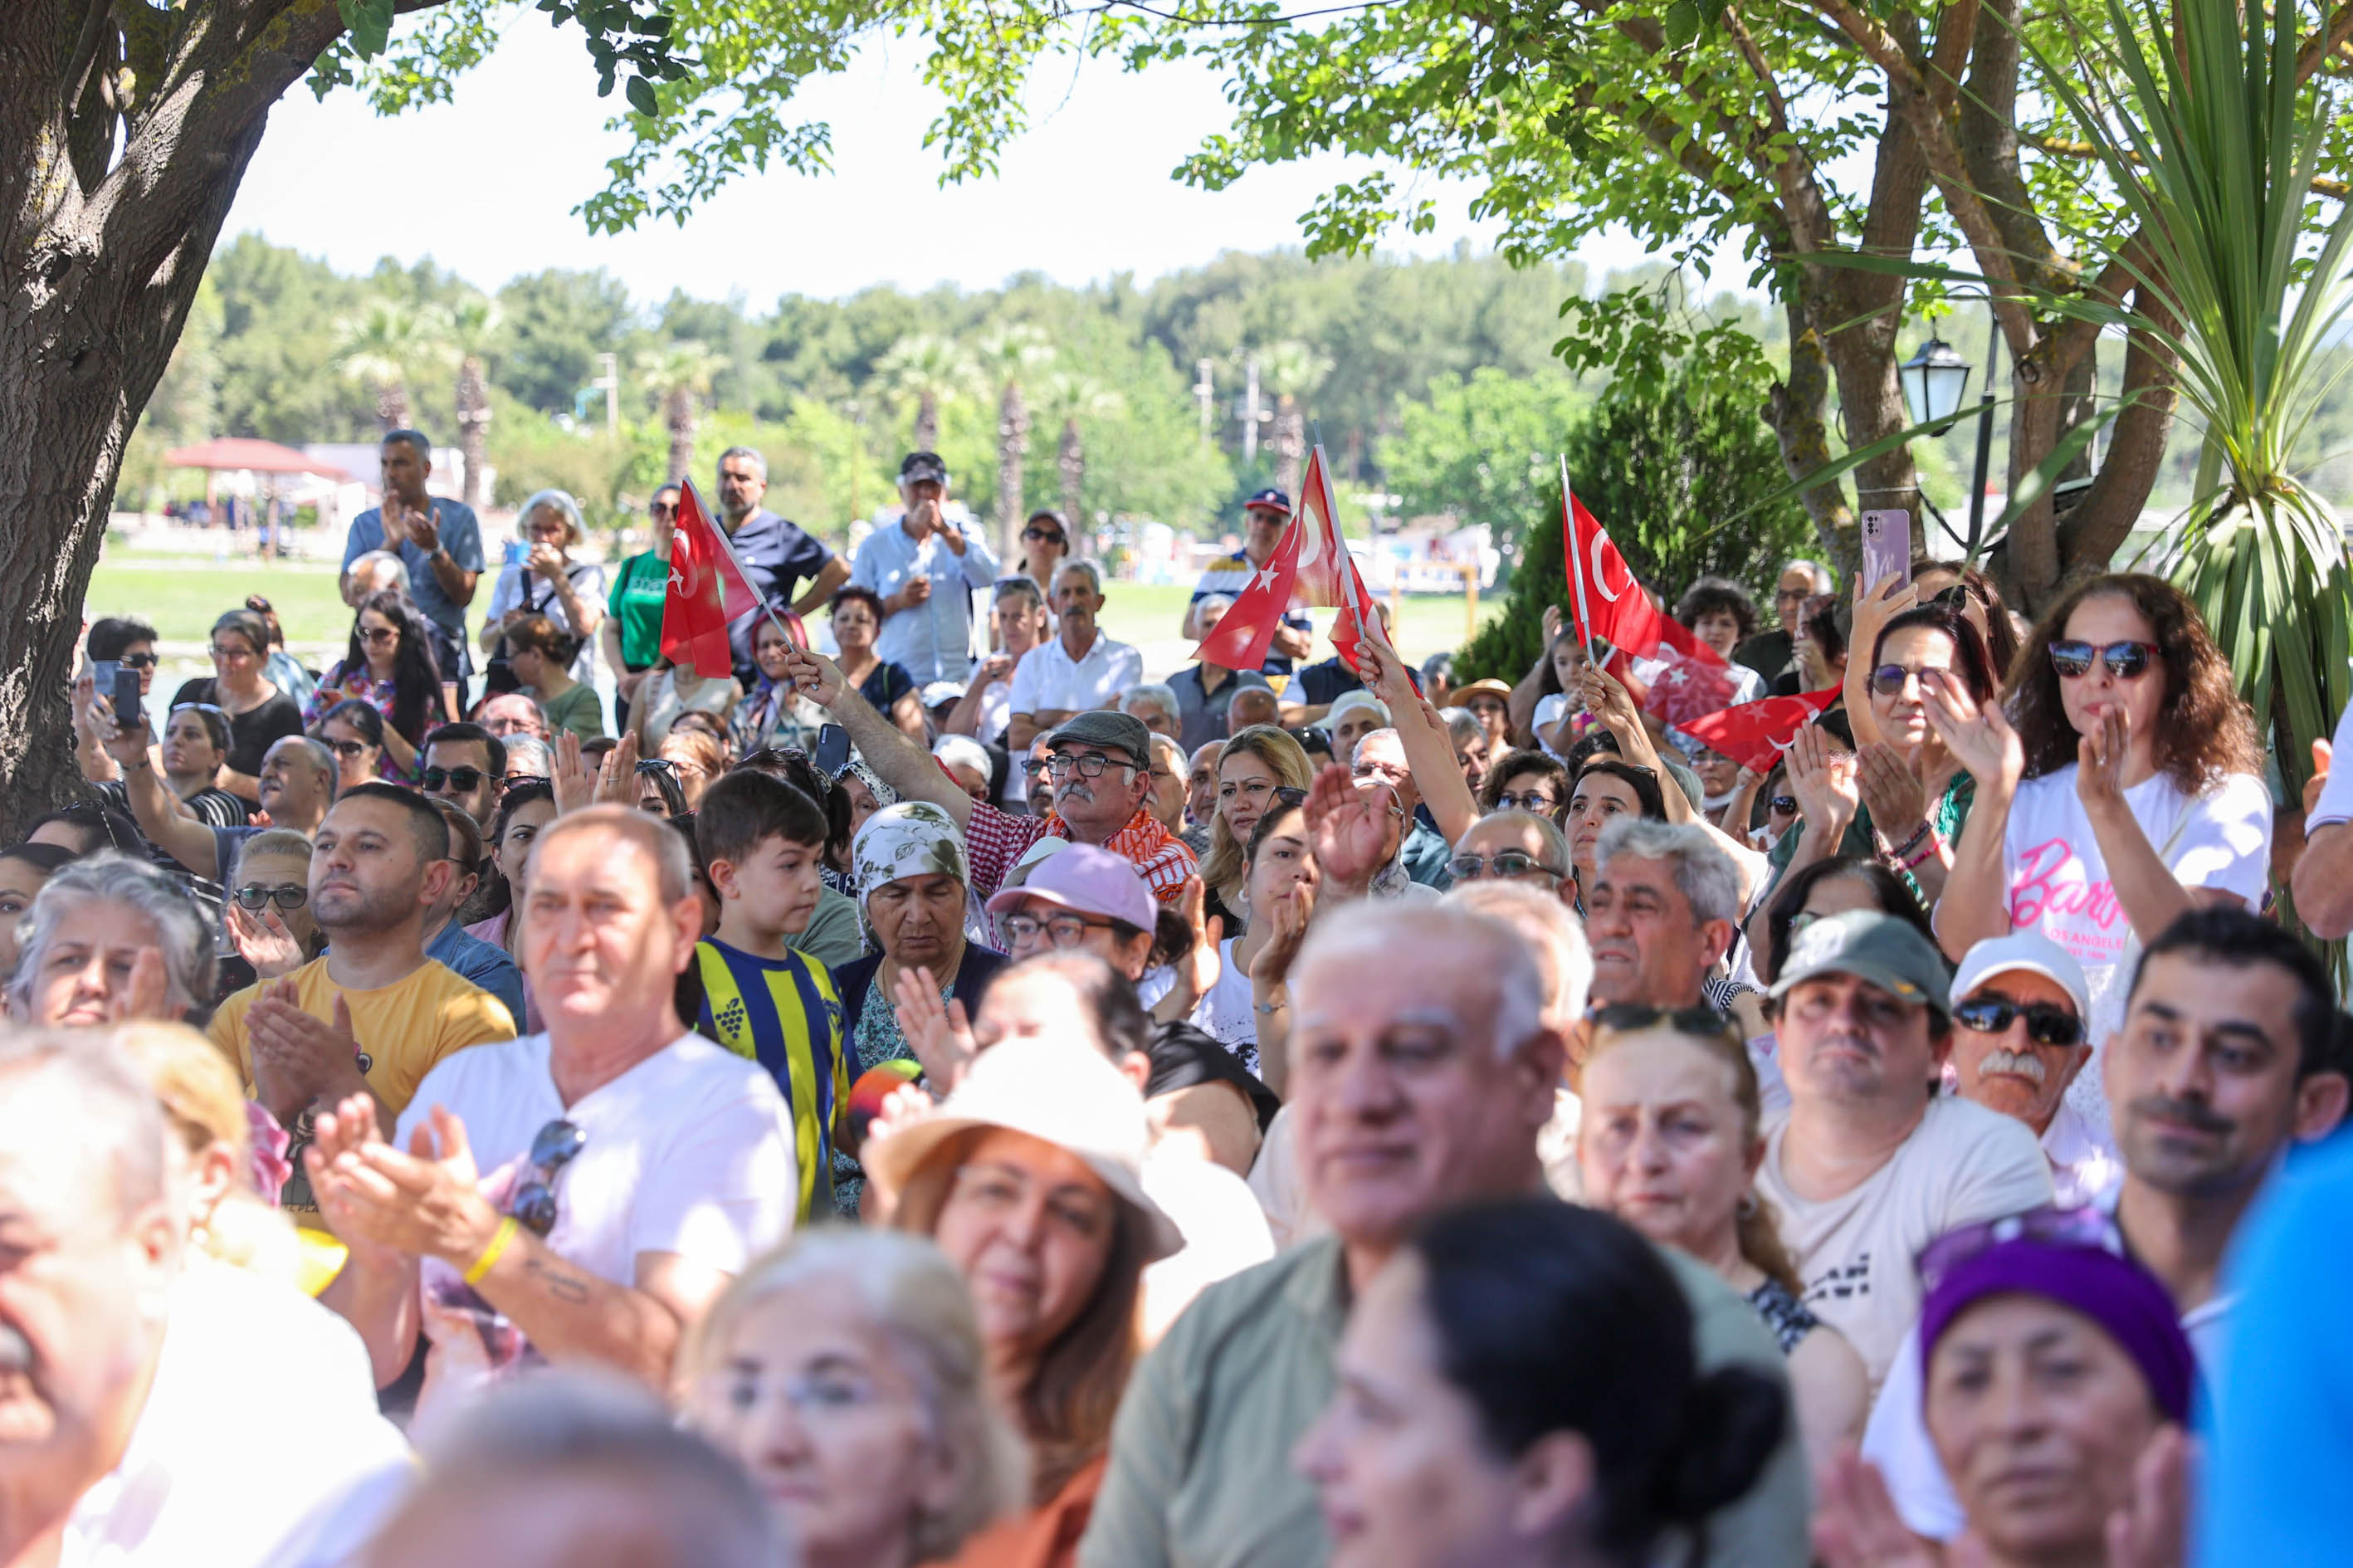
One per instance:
(786, 1016)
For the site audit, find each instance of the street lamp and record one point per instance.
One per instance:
(1934, 379)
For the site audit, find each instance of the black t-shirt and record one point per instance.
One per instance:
(251, 734)
(1320, 684)
(885, 686)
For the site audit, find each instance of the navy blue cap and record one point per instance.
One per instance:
(1272, 500)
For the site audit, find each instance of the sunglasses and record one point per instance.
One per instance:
(2078, 1229)
(347, 747)
(137, 661)
(285, 894)
(379, 635)
(1629, 1017)
(1046, 536)
(555, 1146)
(662, 509)
(463, 779)
(1957, 597)
(1542, 805)
(1503, 863)
(2126, 660)
(1785, 805)
(1889, 680)
(2046, 1022)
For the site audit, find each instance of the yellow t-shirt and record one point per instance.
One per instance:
(404, 1028)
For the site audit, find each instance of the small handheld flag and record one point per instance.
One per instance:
(1754, 734)
(1310, 565)
(708, 591)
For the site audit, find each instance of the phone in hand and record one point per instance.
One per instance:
(832, 749)
(125, 697)
(1886, 547)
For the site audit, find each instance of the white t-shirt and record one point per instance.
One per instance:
(1049, 678)
(2083, 1169)
(1224, 1231)
(217, 1470)
(690, 1152)
(2336, 804)
(1895, 1438)
(2058, 881)
(1856, 1252)
(1229, 1011)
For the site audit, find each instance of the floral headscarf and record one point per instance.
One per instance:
(884, 794)
(913, 839)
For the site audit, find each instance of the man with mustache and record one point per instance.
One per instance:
(2228, 1056)
(1869, 1165)
(2018, 1005)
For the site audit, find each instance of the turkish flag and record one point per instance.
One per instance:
(1310, 565)
(1754, 734)
(1621, 612)
(707, 590)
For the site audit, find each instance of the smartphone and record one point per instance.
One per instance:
(832, 749)
(125, 698)
(1886, 547)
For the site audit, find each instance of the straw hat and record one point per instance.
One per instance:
(1059, 1091)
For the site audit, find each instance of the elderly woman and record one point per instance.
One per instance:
(258, 713)
(846, 1371)
(111, 937)
(1353, 716)
(1256, 762)
(1668, 1140)
(770, 713)
(1029, 1180)
(2058, 1383)
(547, 581)
(914, 888)
(266, 905)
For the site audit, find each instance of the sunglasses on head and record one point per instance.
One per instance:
(463, 779)
(2081, 1230)
(2046, 1022)
(2072, 657)
(1957, 597)
(555, 1146)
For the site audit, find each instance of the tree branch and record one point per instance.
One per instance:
(2060, 147)
(2324, 43)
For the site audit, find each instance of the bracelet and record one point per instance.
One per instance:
(1921, 856)
(488, 1260)
(1926, 830)
(1268, 1008)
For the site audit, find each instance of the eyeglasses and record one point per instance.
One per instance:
(463, 779)
(1629, 1017)
(1284, 795)
(1085, 764)
(555, 1146)
(137, 661)
(2126, 660)
(2047, 1023)
(376, 636)
(1543, 805)
(230, 651)
(346, 748)
(2080, 1229)
(1060, 930)
(285, 894)
(1503, 863)
(1889, 680)
(1033, 766)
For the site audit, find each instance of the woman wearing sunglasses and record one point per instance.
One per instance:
(2124, 788)
(267, 906)
(390, 666)
(353, 731)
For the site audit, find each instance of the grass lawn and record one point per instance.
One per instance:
(183, 595)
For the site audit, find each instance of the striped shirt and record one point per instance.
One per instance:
(1229, 575)
(786, 1016)
(994, 841)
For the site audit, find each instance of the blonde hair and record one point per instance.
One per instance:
(1755, 1225)
(916, 1298)
(1286, 759)
(204, 1105)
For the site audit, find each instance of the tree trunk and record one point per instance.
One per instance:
(1071, 459)
(392, 406)
(1797, 409)
(473, 426)
(1290, 446)
(681, 413)
(1012, 446)
(927, 422)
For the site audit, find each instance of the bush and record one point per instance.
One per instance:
(1667, 473)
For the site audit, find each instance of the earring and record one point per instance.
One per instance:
(1746, 1207)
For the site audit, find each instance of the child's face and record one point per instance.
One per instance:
(774, 886)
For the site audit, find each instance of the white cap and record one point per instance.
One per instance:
(2029, 950)
(963, 748)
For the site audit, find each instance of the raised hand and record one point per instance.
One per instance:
(1198, 972)
(1897, 799)
(574, 787)
(1856, 1524)
(2100, 760)
(1979, 739)
(1287, 916)
(263, 940)
(616, 779)
(815, 676)
(1352, 831)
(147, 993)
(938, 1032)
(1875, 606)
(1823, 781)
(1606, 699)
(1378, 666)
(1552, 624)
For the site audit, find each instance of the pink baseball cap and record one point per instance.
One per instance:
(1088, 879)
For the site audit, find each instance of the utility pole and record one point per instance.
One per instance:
(1248, 409)
(1205, 390)
(610, 385)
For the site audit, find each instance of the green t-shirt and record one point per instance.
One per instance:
(579, 710)
(635, 603)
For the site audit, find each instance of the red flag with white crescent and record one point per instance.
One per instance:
(707, 590)
(1310, 565)
(1240, 639)
(1754, 734)
(1621, 612)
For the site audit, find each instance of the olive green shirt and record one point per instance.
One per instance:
(1201, 1473)
(834, 936)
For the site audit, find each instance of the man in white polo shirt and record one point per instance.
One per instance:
(1078, 669)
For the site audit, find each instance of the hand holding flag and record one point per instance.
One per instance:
(708, 591)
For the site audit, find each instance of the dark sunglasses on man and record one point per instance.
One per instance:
(464, 781)
(2047, 1023)
(553, 1148)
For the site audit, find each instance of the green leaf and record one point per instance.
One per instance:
(370, 21)
(1681, 24)
(641, 96)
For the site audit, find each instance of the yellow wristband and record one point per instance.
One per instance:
(488, 1260)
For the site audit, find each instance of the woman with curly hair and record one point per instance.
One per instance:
(2123, 789)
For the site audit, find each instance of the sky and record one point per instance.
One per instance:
(1085, 193)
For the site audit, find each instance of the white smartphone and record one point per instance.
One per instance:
(1886, 547)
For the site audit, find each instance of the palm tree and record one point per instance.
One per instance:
(928, 371)
(471, 322)
(1009, 355)
(1295, 371)
(1073, 396)
(679, 375)
(384, 345)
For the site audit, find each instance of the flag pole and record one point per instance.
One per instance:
(736, 561)
(1576, 564)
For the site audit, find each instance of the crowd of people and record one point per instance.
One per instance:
(954, 1100)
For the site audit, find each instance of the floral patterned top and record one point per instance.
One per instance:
(340, 685)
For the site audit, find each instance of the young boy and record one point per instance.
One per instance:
(764, 843)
